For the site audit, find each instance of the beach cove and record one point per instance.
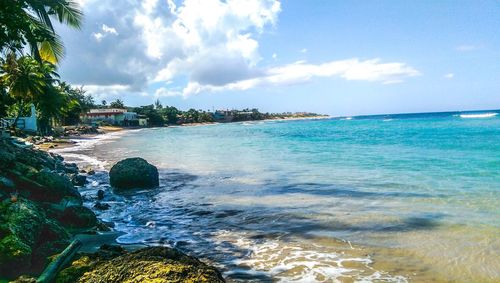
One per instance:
(396, 198)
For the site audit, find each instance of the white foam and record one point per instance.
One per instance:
(293, 262)
(482, 115)
(71, 153)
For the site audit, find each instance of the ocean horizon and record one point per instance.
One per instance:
(393, 198)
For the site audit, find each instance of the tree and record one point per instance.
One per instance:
(117, 104)
(170, 114)
(155, 119)
(25, 80)
(29, 22)
(104, 103)
(158, 105)
(76, 103)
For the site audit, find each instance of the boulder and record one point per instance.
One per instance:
(100, 194)
(44, 186)
(153, 264)
(133, 173)
(101, 206)
(78, 217)
(27, 237)
(79, 180)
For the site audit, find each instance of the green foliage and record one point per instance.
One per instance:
(170, 114)
(29, 22)
(24, 80)
(154, 117)
(117, 104)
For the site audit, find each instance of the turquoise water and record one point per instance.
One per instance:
(395, 198)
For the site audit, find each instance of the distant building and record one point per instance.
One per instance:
(223, 115)
(143, 121)
(113, 116)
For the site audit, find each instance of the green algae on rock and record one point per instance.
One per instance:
(27, 237)
(78, 217)
(133, 173)
(153, 264)
(36, 198)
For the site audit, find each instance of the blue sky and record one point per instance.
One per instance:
(332, 57)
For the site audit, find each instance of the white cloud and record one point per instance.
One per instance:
(449, 76)
(303, 50)
(105, 30)
(213, 45)
(299, 72)
(98, 36)
(109, 30)
(165, 92)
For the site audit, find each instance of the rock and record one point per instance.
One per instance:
(14, 254)
(101, 206)
(6, 158)
(79, 180)
(24, 279)
(153, 264)
(133, 173)
(27, 237)
(7, 185)
(78, 217)
(100, 194)
(48, 186)
(88, 170)
(71, 168)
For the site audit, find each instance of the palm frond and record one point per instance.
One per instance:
(68, 12)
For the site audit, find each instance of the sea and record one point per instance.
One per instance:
(385, 198)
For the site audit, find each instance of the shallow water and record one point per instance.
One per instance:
(381, 198)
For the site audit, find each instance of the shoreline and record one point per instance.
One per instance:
(69, 141)
(392, 257)
(96, 238)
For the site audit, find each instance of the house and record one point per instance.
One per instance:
(28, 124)
(113, 116)
(223, 115)
(143, 121)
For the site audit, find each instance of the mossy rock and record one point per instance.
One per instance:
(26, 170)
(75, 270)
(27, 237)
(154, 264)
(6, 158)
(6, 185)
(15, 256)
(78, 217)
(60, 186)
(133, 173)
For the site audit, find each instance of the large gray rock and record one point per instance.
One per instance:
(133, 173)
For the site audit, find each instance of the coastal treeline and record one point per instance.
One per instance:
(30, 50)
(159, 115)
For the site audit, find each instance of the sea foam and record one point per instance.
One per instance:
(478, 115)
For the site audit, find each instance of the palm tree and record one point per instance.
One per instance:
(24, 79)
(30, 21)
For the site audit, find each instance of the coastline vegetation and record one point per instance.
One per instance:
(41, 208)
(30, 50)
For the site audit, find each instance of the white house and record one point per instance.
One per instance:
(26, 123)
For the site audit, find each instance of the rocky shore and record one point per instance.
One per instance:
(41, 212)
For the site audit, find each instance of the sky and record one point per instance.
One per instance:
(339, 58)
